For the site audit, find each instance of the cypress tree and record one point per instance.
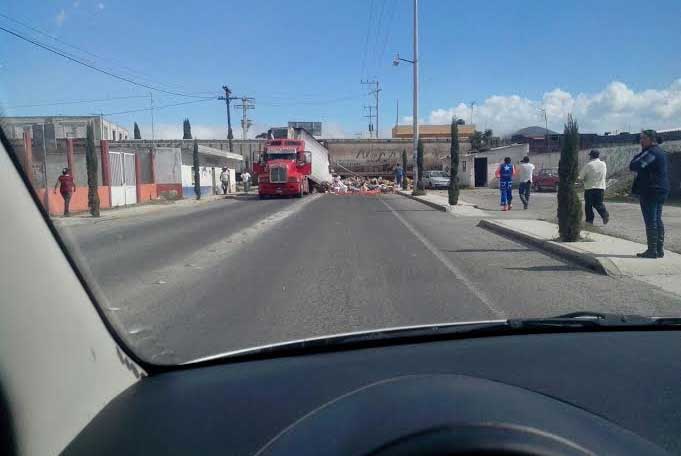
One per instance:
(569, 207)
(187, 127)
(197, 173)
(453, 188)
(418, 183)
(137, 134)
(91, 164)
(404, 169)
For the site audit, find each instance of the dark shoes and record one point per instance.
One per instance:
(606, 219)
(655, 245)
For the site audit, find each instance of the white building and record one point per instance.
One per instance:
(61, 127)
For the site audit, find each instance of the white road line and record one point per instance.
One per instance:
(448, 264)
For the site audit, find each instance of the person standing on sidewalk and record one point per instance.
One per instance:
(593, 175)
(66, 188)
(399, 176)
(652, 186)
(505, 173)
(224, 180)
(525, 179)
(246, 179)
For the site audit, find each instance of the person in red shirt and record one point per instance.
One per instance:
(66, 188)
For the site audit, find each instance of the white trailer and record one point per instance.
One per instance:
(319, 155)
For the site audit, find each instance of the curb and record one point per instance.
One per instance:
(601, 265)
(439, 207)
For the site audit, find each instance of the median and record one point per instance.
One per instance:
(441, 203)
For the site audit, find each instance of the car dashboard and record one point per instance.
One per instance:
(561, 393)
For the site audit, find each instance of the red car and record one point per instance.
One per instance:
(546, 179)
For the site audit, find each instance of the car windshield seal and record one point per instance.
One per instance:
(572, 322)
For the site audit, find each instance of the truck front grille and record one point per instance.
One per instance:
(278, 175)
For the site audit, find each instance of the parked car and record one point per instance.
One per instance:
(546, 179)
(435, 179)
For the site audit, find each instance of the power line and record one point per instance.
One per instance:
(93, 67)
(387, 33)
(61, 103)
(316, 102)
(85, 51)
(377, 35)
(156, 107)
(366, 37)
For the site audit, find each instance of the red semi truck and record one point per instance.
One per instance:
(291, 164)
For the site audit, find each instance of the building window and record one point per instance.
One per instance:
(464, 166)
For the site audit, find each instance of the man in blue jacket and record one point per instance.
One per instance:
(652, 186)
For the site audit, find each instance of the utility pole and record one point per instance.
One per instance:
(472, 107)
(546, 128)
(370, 117)
(246, 104)
(151, 101)
(397, 115)
(416, 93)
(375, 91)
(227, 99)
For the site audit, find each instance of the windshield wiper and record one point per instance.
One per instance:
(594, 320)
(571, 322)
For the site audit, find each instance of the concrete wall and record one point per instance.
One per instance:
(494, 157)
(250, 149)
(168, 164)
(209, 179)
(379, 157)
(617, 158)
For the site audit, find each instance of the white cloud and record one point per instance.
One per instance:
(334, 130)
(616, 107)
(100, 5)
(60, 18)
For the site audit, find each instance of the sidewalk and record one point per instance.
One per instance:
(626, 221)
(441, 203)
(606, 254)
(115, 213)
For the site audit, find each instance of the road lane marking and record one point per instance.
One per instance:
(482, 296)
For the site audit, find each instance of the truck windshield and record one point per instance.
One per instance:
(278, 156)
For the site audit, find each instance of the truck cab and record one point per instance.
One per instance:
(283, 169)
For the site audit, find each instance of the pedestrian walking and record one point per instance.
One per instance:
(246, 179)
(593, 175)
(505, 173)
(224, 180)
(652, 186)
(525, 173)
(66, 187)
(399, 177)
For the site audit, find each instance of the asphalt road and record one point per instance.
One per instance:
(193, 282)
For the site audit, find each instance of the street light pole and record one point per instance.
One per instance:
(416, 93)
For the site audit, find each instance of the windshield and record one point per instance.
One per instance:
(143, 131)
(280, 156)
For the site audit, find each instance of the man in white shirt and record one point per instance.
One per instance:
(526, 170)
(593, 175)
(224, 180)
(246, 179)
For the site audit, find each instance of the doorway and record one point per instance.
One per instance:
(480, 168)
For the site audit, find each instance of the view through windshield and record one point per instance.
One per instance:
(556, 128)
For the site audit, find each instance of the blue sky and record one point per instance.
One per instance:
(614, 64)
